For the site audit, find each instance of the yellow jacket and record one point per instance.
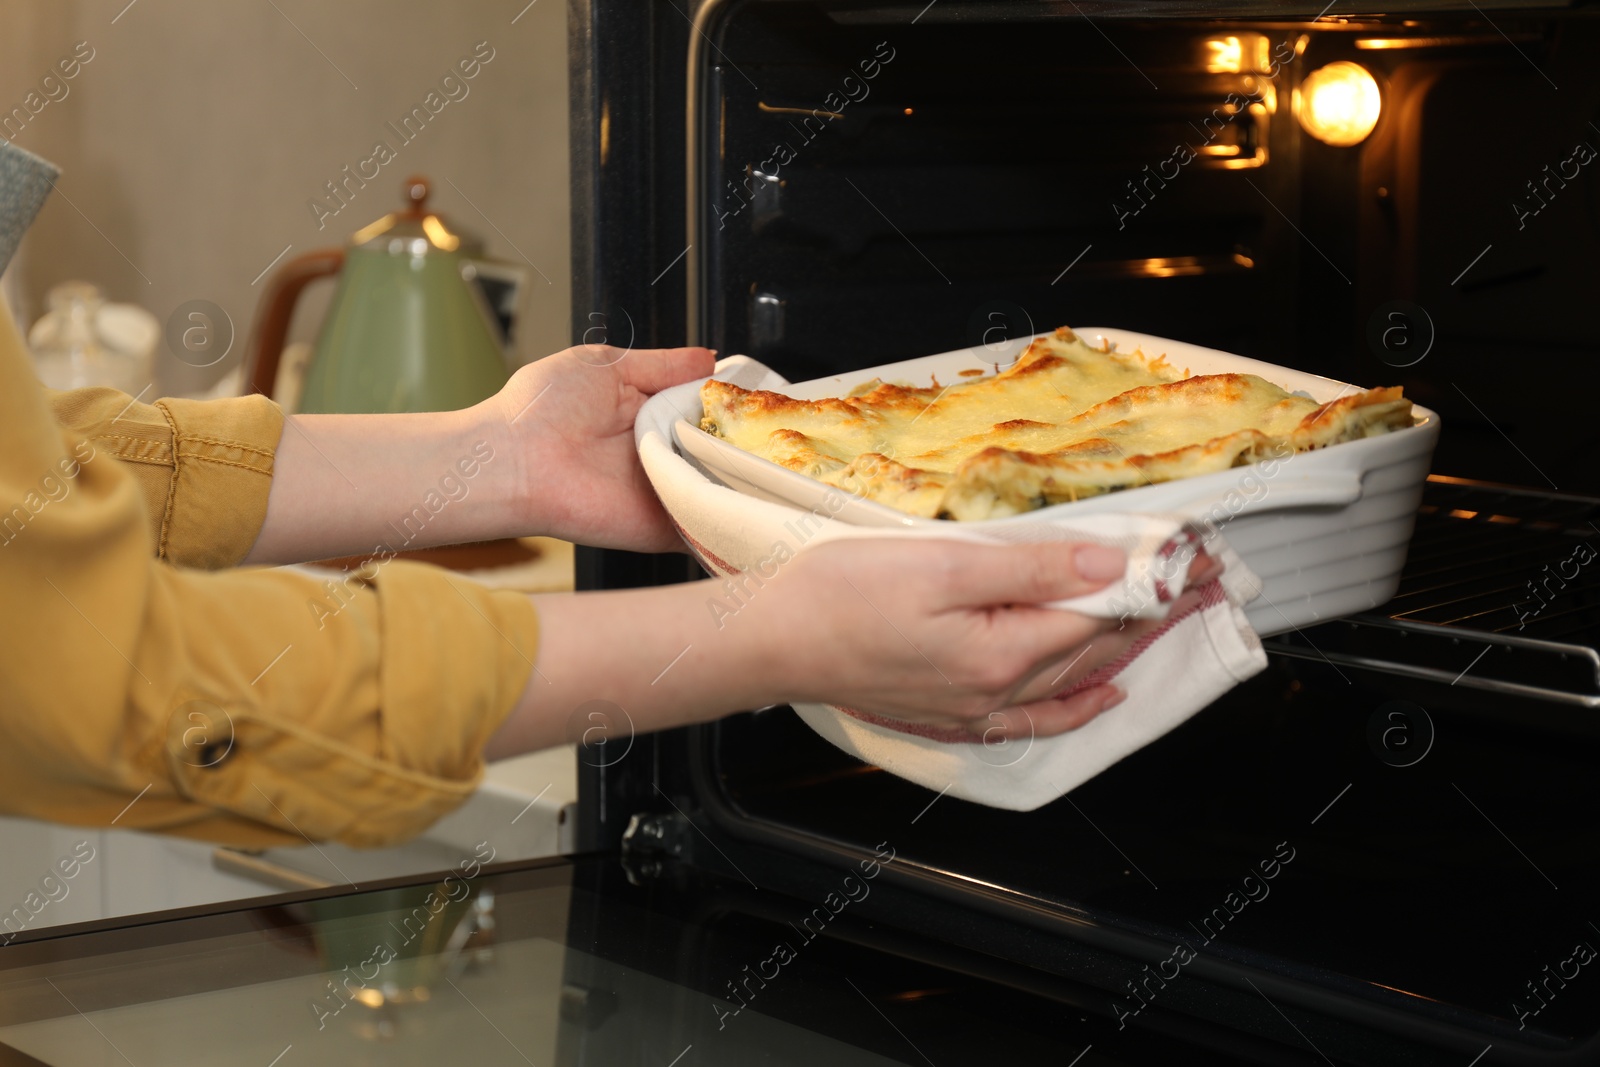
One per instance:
(141, 685)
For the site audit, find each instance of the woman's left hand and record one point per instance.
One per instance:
(569, 420)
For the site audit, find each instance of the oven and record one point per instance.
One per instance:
(1381, 850)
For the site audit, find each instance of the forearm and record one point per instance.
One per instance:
(944, 634)
(660, 655)
(345, 484)
(551, 453)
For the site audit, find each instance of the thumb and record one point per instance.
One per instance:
(651, 370)
(992, 575)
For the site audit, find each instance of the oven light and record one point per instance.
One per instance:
(1224, 55)
(1339, 103)
(1236, 54)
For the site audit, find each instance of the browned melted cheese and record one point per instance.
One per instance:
(1066, 421)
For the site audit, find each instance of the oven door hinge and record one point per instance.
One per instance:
(652, 840)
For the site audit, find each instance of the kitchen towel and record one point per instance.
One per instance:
(25, 181)
(1174, 672)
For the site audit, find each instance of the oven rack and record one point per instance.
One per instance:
(1500, 592)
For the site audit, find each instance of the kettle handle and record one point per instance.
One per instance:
(277, 308)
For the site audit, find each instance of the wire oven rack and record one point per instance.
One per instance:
(1500, 592)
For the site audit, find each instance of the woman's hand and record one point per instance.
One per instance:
(551, 453)
(951, 635)
(947, 634)
(569, 419)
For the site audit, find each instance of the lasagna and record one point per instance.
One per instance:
(1066, 421)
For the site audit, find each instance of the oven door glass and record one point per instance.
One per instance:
(567, 962)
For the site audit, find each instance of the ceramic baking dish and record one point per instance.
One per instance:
(1325, 531)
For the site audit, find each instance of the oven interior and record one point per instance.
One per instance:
(1011, 167)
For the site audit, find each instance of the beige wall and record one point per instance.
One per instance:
(193, 140)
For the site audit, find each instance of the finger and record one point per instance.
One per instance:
(1052, 637)
(651, 370)
(1061, 674)
(978, 576)
(1066, 666)
(1204, 568)
(1061, 714)
(1046, 718)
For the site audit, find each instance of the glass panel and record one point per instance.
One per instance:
(575, 963)
(459, 970)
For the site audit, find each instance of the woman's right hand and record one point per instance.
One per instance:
(946, 634)
(950, 634)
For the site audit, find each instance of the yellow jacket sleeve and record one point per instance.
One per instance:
(252, 707)
(202, 468)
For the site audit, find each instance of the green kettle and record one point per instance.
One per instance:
(409, 328)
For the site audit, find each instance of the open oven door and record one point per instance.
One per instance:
(1383, 849)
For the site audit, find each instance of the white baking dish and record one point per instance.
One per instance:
(1325, 531)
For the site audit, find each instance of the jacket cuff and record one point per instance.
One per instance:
(394, 757)
(449, 642)
(222, 455)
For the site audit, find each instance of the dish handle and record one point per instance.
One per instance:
(1255, 491)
